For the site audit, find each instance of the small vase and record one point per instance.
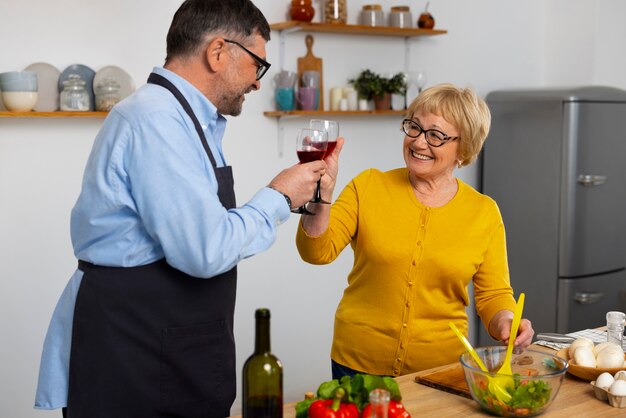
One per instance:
(382, 102)
(302, 10)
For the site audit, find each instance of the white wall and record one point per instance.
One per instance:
(491, 44)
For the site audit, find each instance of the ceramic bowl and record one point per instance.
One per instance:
(19, 101)
(536, 370)
(19, 81)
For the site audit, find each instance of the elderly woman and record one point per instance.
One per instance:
(420, 236)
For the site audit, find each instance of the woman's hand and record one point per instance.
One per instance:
(332, 168)
(500, 329)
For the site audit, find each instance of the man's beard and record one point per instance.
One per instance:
(232, 104)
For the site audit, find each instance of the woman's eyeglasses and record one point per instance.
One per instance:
(434, 137)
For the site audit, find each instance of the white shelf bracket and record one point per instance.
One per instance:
(407, 54)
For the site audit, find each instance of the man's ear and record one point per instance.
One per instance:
(215, 55)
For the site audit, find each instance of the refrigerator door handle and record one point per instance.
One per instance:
(587, 298)
(591, 179)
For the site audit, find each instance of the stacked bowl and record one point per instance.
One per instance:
(19, 90)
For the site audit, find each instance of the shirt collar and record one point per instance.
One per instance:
(205, 111)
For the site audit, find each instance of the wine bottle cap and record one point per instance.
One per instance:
(262, 313)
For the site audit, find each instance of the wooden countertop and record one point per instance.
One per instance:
(575, 399)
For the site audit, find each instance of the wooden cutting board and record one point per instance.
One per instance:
(448, 378)
(311, 63)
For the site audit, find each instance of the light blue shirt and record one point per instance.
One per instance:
(149, 192)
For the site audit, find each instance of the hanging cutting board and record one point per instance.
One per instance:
(448, 378)
(311, 63)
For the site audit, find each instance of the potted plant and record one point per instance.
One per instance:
(368, 85)
(397, 86)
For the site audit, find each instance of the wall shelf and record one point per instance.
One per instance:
(7, 114)
(294, 26)
(280, 113)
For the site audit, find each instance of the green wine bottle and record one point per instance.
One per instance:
(262, 393)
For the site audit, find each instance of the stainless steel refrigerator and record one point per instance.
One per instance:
(555, 162)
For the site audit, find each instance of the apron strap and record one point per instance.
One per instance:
(165, 83)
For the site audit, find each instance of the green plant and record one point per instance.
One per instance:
(397, 84)
(368, 84)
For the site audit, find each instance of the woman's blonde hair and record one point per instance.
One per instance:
(460, 107)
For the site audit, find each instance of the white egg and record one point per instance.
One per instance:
(583, 356)
(618, 388)
(610, 359)
(602, 346)
(621, 375)
(580, 342)
(604, 380)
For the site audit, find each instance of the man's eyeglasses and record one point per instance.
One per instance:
(434, 137)
(262, 66)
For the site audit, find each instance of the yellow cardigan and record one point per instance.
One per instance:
(412, 266)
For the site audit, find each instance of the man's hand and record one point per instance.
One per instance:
(299, 181)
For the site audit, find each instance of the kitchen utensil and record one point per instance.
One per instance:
(555, 338)
(504, 380)
(311, 63)
(48, 92)
(496, 390)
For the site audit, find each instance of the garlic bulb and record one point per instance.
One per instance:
(610, 358)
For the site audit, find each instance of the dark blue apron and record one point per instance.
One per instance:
(151, 341)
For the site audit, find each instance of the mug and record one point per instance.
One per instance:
(311, 79)
(285, 98)
(285, 79)
(307, 97)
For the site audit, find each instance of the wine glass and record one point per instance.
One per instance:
(420, 81)
(310, 146)
(331, 127)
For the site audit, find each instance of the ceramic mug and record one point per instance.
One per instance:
(307, 98)
(285, 98)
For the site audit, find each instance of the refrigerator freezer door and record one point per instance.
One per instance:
(593, 194)
(583, 303)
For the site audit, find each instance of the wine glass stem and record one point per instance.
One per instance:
(318, 191)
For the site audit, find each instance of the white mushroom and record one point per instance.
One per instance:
(583, 356)
(580, 342)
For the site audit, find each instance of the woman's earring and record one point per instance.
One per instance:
(460, 163)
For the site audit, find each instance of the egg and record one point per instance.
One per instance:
(583, 356)
(610, 358)
(621, 375)
(618, 388)
(580, 342)
(604, 380)
(602, 346)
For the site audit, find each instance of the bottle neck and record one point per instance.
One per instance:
(262, 338)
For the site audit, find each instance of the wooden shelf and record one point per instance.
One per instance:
(7, 114)
(355, 29)
(280, 113)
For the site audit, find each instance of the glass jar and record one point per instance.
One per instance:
(107, 94)
(74, 97)
(400, 17)
(335, 11)
(302, 10)
(372, 15)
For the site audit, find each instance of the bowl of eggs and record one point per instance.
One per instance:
(588, 361)
(611, 388)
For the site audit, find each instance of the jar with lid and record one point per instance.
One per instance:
(74, 97)
(372, 15)
(107, 94)
(335, 11)
(400, 17)
(302, 10)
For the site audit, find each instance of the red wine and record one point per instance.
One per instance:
(263, 407)
(310, 155)
(331, 148)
